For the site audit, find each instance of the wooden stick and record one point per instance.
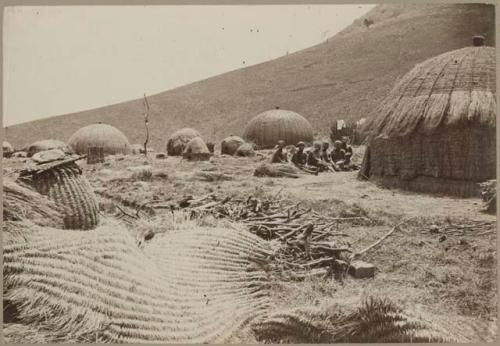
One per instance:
(359, 253)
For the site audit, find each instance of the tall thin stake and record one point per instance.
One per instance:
(146, 120)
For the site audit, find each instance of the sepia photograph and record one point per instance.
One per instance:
(246, 173)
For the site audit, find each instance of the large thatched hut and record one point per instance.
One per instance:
(435, 131)
(47, 144)
(109, 138)
(267, 128)
(179, 139)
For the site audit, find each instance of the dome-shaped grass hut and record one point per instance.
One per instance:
(47, 144)
(267, 128)
(196, 150)
(7, 149)
(179, 139)
(230, 144)
(435, 131)
(109, 138)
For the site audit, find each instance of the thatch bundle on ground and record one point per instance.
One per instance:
(47, 144)
(7, 149)
(104, 136)
(65, 185)
(230, 144)
(196, 150)
(179, 139)
(200, 285)
(277, 170)
(435, 131)
(267, 128)
(246, 149)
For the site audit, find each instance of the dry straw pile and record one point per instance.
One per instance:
(230, 144)
(196, 150)
(185, 286)
(435, 131)
(267, 128)
(47, 144)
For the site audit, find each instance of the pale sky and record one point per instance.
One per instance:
(60, 60)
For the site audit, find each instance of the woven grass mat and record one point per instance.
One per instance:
(197, 286)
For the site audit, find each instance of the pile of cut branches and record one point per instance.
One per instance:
(305, 241)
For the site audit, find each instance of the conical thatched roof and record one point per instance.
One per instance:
(269, 127)
(112, 140)
(435, 131)
(196, 149)
(47, 144)
(177, 142)
(230, 144)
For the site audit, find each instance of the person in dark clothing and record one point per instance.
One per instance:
(279, 156)
(299, 159)
(347, 150)
(338, 156)
(314, 159)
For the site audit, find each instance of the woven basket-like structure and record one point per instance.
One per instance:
(196, 150)
(105, 136)
(435, 131)
(230, 144)
(187, 286)
(47, 144)
(66, 186)
(179, 139)
(267, 128)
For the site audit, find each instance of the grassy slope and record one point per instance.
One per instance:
(341, 78)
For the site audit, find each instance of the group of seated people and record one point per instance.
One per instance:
(318, 158)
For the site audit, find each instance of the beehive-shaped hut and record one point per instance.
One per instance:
(47, 144)
(7, 149)
(196, 150)
(230, 144)
(267, 128)
(435, 131)
(177, 142)
(109, 138)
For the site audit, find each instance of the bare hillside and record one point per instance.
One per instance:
(342, 78)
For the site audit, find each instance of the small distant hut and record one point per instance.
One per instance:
(435, 131)
(245, 149)
(230, 144)
(179, 139)
(196, 150)
(136, 149)
(267, 128)
(7, 149)
(109, 138)
(47, 144)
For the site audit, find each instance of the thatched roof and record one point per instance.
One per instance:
(245, 149)
(177, 142)
(269, 127)
(7, 149)
(230, 144)
(112, 140)
(47, 144)
(436, 130)
(452, 89)
(196, 149)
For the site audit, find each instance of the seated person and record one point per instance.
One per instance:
(299, 159)
(348, 165)
(337, 155)
(314, 159)
(279, 155)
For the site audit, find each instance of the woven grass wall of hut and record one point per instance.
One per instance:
(47, 144)
(105, 136)
(267, 128)
(435, 131)
(177, 142)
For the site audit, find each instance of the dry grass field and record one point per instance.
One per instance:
(447, 277)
